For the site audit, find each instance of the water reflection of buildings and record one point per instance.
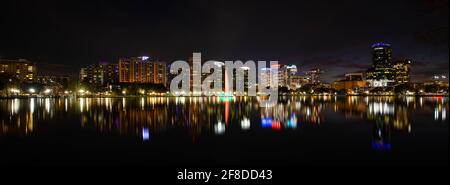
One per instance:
(386, 109)
(440, 110)
(381, 136)
(387, 114)
(391, 114)
(116, 116)
(293, 111)
(153, 116)
(19, 116)
(197, 115)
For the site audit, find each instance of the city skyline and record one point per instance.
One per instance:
(225, 91)
(390, 61)
(67, 70)
(418, 32)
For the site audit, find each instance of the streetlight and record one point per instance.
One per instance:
(16, 91)
(32, 90)
(47, 91)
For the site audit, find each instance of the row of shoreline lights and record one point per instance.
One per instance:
(82, 91)
(124, 92)
(31, 91)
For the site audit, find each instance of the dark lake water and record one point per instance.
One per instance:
(161, 130)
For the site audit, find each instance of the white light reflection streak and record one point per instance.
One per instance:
(245, 124)
(32, 105)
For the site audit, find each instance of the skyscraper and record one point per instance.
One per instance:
(265, 80)
(313, 76)
(142, 70)
(111, 73)
(159, 73)
(93, 75)
(297, 81)
(402, 70)
(126, 70)
(290, 72)
(382, 73)
(281, 74)
(382, 55)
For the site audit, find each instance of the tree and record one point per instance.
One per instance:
(403, 88)
(432, 88)
(283, 90)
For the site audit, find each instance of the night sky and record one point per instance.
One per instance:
(62, 36)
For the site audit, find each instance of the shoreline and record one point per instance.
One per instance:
(169, 96)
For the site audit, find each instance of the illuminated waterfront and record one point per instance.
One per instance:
(169, 130)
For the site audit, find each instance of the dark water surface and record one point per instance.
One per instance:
(160, 130)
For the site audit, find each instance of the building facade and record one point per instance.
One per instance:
(351, 84)
(402, 71)
(297, 81)
(313, 76)
(159, 73)
(382, 73)
(132, 70)
(289, 71)
(111, 73)
(266, 79)
(142, 70)
(99, 75)
(22, 69)
(93, 75)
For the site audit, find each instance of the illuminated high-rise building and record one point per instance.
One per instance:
(402, 70)
(158, 72)
(99, 75)
(133, 70)
(126, 70)
(297, 81)
(93, 74)
(111, 73)
(22, 69)
(282, 74)
(142, 70)
(313, 76)
(290, 72)
(382, 73)
(382, 55)
(266, 77)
